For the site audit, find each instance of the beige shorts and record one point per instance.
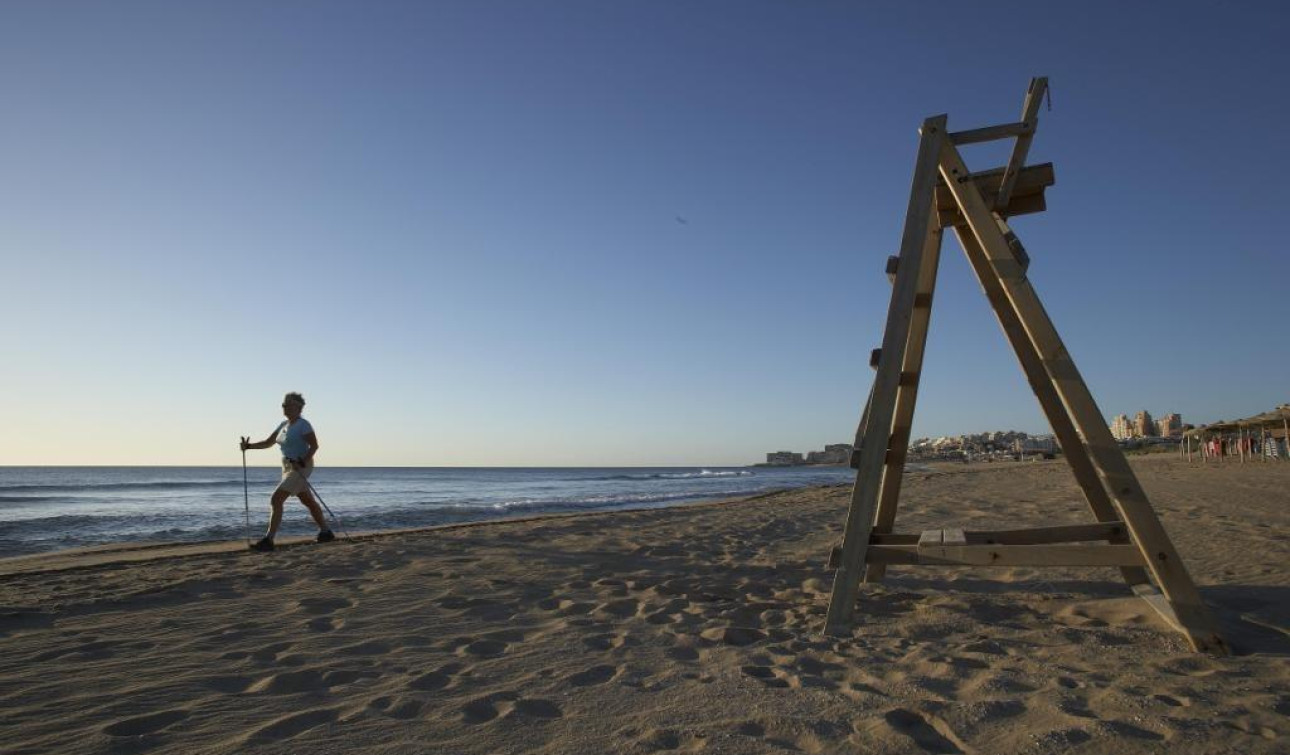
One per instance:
(294, 480)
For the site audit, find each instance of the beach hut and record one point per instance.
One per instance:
(1263, 436)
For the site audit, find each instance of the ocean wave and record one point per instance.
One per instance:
(606, 501)
(116, 487)
(701, 474)
(5, 499)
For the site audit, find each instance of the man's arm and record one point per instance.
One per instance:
(262, 444)
(311, 438)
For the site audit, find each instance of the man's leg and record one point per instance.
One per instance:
(275, 520)
(307, 498)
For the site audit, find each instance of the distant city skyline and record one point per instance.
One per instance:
(579, 234)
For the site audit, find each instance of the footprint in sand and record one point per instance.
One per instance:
(140, 725)
(405, 709)
(483, 648)
(618, 609)
(667, 740)
(293, 725)
(437, 679)
(229, 685)
(669, 613)
(603, 641)
(766, 675)
(92, 651)
(325, 624)
(682, 653)
(270, 653)
(593, 676)
(367, 647)
(507, 705)
(736, 636)
(929, 736)
(484, 709)
(321, 606)
(291, 682)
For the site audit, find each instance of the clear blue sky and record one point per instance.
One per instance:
(567, 233)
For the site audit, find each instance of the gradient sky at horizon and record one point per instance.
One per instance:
(590, 233)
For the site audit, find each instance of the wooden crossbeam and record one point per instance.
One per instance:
(1004, 555)
(991, 133)
(1063, 533)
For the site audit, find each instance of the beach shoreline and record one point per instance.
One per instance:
(679, 629)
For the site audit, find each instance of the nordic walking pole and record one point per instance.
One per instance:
(335, 519)
(246, 495)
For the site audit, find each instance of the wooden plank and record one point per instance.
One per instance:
(953, 537)
(991, 133)
(1062, 533)
(1031, 180)
(929, 538)
(873, 450)
(1025, 205)
(1126, 493)
(1029, 114)
(1006, 555)
(1032, 365)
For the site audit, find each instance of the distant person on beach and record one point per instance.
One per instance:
(299, 444)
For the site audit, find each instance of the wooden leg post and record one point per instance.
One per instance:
(1181, 597)
(1073, 448)
(877, 437)
(907, 395)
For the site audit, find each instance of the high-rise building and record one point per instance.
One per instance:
(1120, 427)
(1143, 425)
(783, 458)
(1170, 425)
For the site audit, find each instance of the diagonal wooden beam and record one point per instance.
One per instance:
(1020, 148)
(1145, 529)
(1059, 420)
(877, 436)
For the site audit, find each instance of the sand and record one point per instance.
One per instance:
(678, 630)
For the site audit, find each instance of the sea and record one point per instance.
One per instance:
(46, 509)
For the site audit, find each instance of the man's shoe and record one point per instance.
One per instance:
(326, 536)
(264, 546)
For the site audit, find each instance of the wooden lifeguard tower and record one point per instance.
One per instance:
(1127, 533)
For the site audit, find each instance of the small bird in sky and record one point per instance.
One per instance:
(682, 220)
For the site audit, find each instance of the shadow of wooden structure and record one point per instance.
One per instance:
(1127, 533)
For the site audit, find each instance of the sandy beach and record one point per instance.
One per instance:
(675, 630)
